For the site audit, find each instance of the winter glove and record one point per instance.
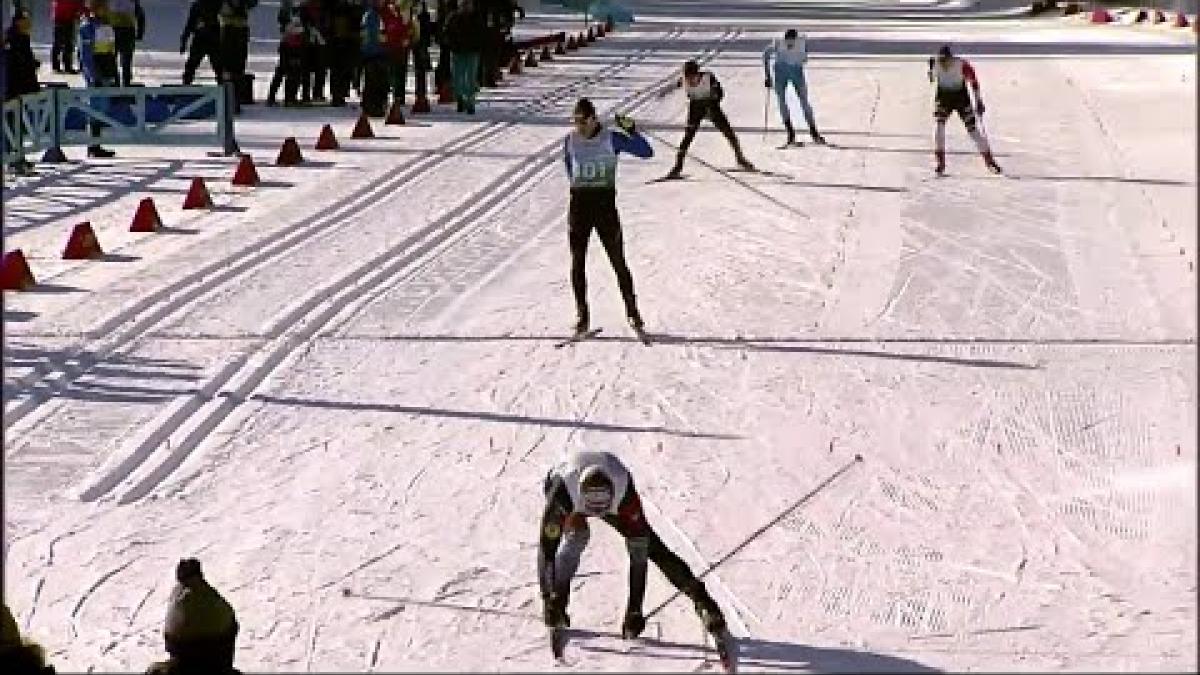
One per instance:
(626, 123)
(633, 625)
(768, 82)
(979, 107)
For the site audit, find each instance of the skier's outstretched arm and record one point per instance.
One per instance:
(554, 515)
(632, 142)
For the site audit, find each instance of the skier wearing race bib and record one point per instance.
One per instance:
(790, 56)
(952, 75)
(590, 154)
(599, 485)
(704, 94)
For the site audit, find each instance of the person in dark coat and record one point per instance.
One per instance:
(464, 34)
(66, 21)
(203, 27)
(201, 627)
(20, 63)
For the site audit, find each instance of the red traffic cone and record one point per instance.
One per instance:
(146, 219)
(395, 114)
(1101, 15)
(1181, 20)
(197, 196)
(327, 141)
(289, 153)
(82, 244)
(15, 274)
(531, 59)
(362, 128)
(421, 105)
(246, 175)
(514, 66)
(445, 93)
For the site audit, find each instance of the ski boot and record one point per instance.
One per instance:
(745, 164)
(816, 136)
(940, 169)
(633, 625)
(582, 323)
(677, 170)
(991, 164)
(791, 135)
(714, 623)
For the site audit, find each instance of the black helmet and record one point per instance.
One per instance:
(790, 34)
(690, 67)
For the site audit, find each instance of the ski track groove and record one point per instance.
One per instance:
(158, 307)
(200, 414)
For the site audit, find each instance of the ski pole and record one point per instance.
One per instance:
(757, 533)
(766, 111)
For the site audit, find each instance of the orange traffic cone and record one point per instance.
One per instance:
(246, 175)
(362, 128)
(15, 274)
(197, 196)
(327, 141)
(146, 219)
(421, 105)
(289, 154)
(82, 244)
(395, 114)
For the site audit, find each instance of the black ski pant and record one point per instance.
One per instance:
(589, 209)
(126, 42)
(62, 51)
(697, 111)
(235, 46)
(204, 45)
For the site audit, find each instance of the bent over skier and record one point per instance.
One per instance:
(590, 154)
(790, 56)
(952, 75)
(704, 94)
(598, 485)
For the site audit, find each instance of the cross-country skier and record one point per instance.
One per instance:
(590, 154)
(790, 56)
(952, 75)
(704, 94)
(598, 485)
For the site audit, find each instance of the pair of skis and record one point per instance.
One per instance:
(726, 647)
(580, 336)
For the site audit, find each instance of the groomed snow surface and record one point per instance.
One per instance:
(340, 390)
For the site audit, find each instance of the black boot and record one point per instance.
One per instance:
(677, 170)
(101, 152)
(582, 323)
(816, 136)
(791, 133)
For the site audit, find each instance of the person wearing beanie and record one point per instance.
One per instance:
(790, 54)
(201, 627)
(951, 75)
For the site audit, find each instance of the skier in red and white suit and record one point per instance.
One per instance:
(952, 75)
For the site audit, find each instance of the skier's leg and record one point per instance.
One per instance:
(941, 112)
(608, 228)
(695, 116)
(981, 143)
(781, 84)
(194, 57)
(579, 229)
(722, 124)
(681, 577)
(802, 93)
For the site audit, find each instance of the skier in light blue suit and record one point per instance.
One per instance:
(790, 56)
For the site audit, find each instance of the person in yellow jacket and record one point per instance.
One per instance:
(201, 627)
(129, 25)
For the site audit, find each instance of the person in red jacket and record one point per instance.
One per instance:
(66, 15)
(398, 31)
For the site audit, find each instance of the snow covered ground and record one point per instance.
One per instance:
(339, 390)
